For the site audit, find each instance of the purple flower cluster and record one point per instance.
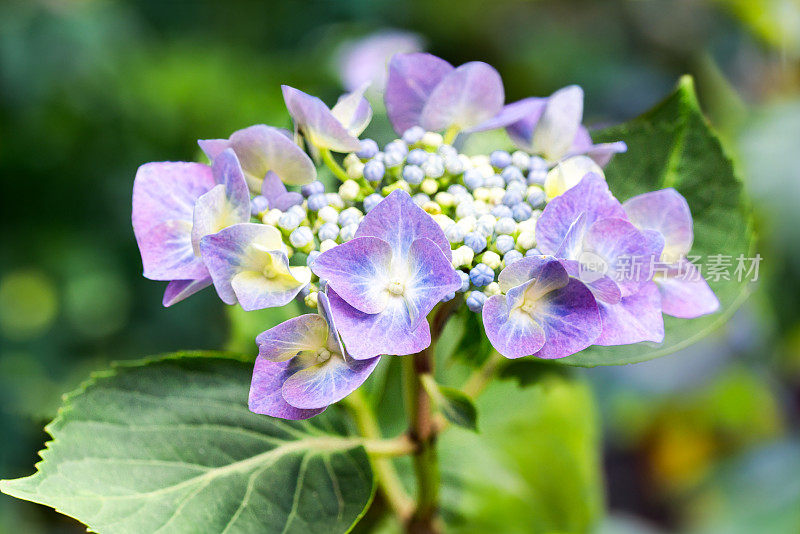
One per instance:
(532, 238)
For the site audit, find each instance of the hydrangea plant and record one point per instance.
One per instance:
(526, 244)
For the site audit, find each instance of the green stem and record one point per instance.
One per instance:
(333, 165)
(388, 480)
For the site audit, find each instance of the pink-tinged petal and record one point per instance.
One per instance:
(262, 148)
(167, 191)
(325, 383)
(603, 287)
(353, 111)
(431, 278)
(317, 123)
(616, 248)
(520, 116)
(412, 79)
(570, 319)
(666, 212)
(280, 343)
(399, 222)
(213, 147)
(167, 252)
(684, 292)
(275, 192)
(558, 125)
(513, 334)
(466, 97)
(633, 319)
(359, 270)
(389, 332)
(248, 264)
(366, 59)
(548, 272)
(177, 290)
(591, 196)
(214, 211)
(265, 392)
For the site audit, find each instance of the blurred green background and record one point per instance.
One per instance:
(703, 441)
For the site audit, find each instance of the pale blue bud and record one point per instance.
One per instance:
(511, 256)
(500, 159)
(347, 232)
(536, 198)
(313, 255)
(533, 252)
(368, 149)
(512, 198)
(413, 134)
(313, 188)
(258, 205)
(371, 201)
(454, 234)
(475, 301)
(374, 170)
(413, 174)
(512, 174)
(393, 158)
(464, 281)
(328, 230)
(522, 212)
(504, 243)
(505, 225)
(494, 181)
(417, 157)
(501, 210)
(301, 236)
(317, 201)
(473, 179)
(396, 146)
(289, 221)
(476, 241)
(481, 275)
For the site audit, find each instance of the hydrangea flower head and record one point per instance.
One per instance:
(302, 367)
(384, 282)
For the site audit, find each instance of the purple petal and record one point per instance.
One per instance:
(324, 310)
(353, 111)
(283, 342)
(412, 79)
(248, 264)
(603, 287)
(228, 172)
(570, 319)
(216, 210)
(431, 278)
(265, 392)
(559, 123)
(521, 131)
(399, 222)
(622, 252)
(518, 115)
(167, 253)
(684, 292)
(177, 290)
(167, 191)
(634, 319)
(359, 270)
(213, 147)
(323, 384)
(389, 332)
(546, 270)
(318, 124)
(275, 192)
(513, 335)
(466, 97)
(602, 152)
(666, 212)
(591, 196)
(262, 148)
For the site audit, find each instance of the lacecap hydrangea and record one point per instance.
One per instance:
(531, 239)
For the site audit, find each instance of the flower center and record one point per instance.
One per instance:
(396, 287)
(323, 355)
(269, 272)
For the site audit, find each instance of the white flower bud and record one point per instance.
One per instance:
(496, 195)
(443, 221)
(492, 289)
(272, 217)
(326, 245)
(429, 186)
(467, 223)
(328, 214)
(356, 170)
(526, 240)
(432, 208)
(312, 299)
(466, 162)
(445, 199)
(432, 139)
(351, 159)
(335, 200)
(464, 209)
(481, 193)
(486, 224)
(462, 256)
(520, 160)
(349, 190)
(492, 259)
(526, 227)
(479, 160)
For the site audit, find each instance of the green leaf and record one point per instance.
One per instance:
(454, 404)
(535, 467)
(169, 445)
(673, 145)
